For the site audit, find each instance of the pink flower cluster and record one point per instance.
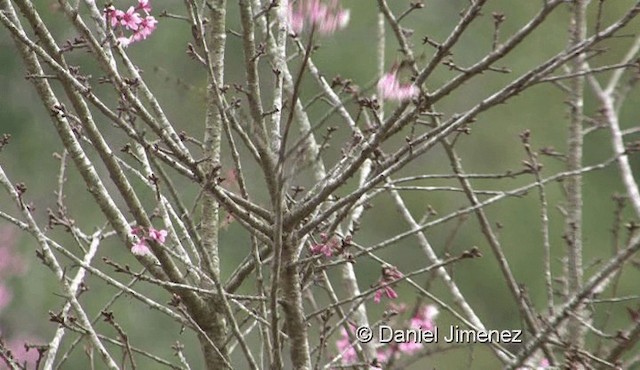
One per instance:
(141, 246)
(325, 16)
(327, 246)
(345, 348)
(132, 20)
(424, 319)
(348, 352)
(390, 88)
(389, 275)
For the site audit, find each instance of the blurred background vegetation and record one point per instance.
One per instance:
(492, 147)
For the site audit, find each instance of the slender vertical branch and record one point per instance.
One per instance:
(215, 40)
(573, 227)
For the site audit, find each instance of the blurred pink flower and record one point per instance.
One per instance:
(124, 41)
(140, 248)
(544, 363)
(327, 246)
(137, 231)
(296, 20)
(327, 16)
(409, 347)
(345, 348)
(424, 318)
(384, 354)
(389, 87)
(144, 6)
(160, 236)
(389, 274)
(386, 290)
(322, 248)
(349, 354)
(145, 28)
(20, 352)
(113, 15)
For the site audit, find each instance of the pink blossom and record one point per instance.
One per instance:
(349, 355)
(137, 231)
(389, 87)
(140, 248)
(385, 290)
(327, 16)
(409, 347)
(327, 246)
(296, 20)
(160, 236)
(345, 348)
(329, 23)
(114, 15)
(145, 28)
(144, 6)
(424, 318)
(544, 363)
(131, 19)
(124, 41)
(389, 275)
(322, 248)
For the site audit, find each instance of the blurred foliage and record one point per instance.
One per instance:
(492, 146)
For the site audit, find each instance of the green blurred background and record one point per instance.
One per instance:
(493, 146)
